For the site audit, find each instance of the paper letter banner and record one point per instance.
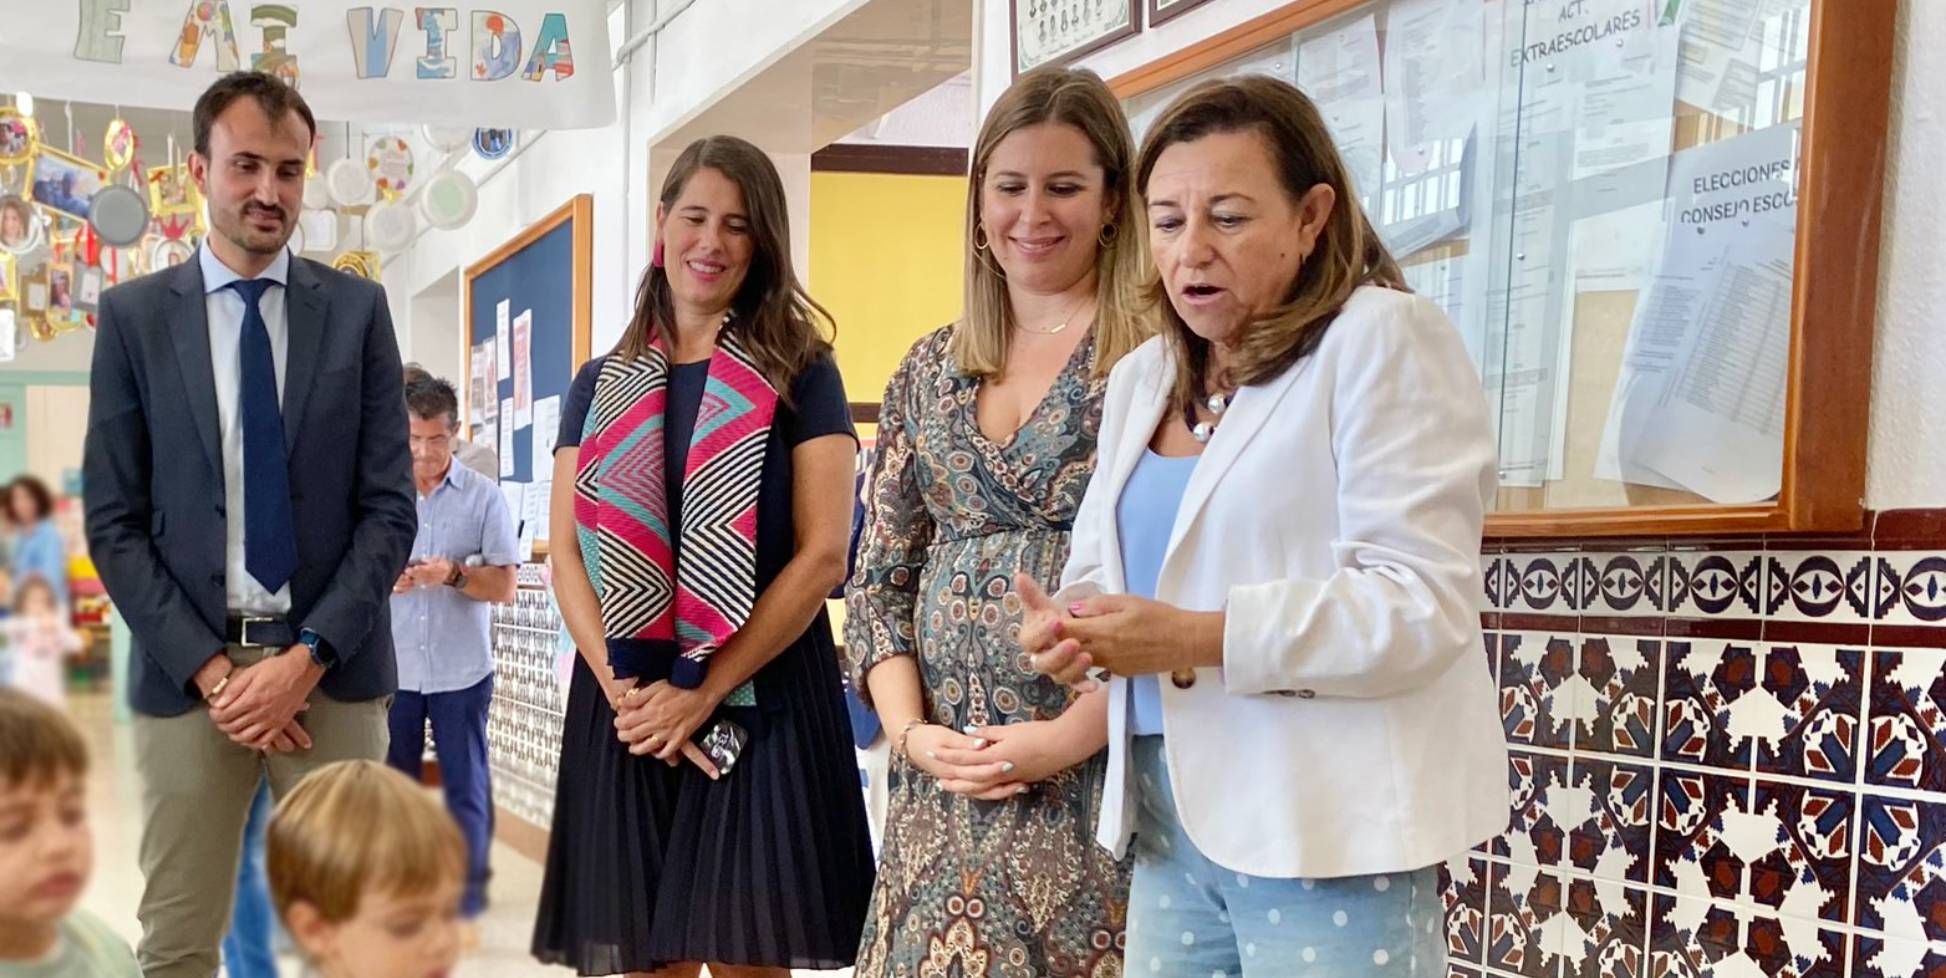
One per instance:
(541, 64)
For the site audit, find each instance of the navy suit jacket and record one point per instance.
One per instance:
(153, 478)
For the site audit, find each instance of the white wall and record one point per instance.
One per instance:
(705, 51)
(549, 170)
(66, 352)
(1907, 461)
(1908, 447)
(715, 45)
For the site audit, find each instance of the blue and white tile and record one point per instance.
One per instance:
(1613, 698)
(1543, 583)
(1833, 587)
(1538, 789)
(1805, 714)
(1605, 930)
(1695, 937)
(1901, 868)
(1910, 588)
(1717, 584)
(1906, 731)
(1536, 698)
(1879, 956)
(1628, 584)
(1495, 580)
(1464, 885)
(1702, 687)
(1525, 921)
(1609, 810)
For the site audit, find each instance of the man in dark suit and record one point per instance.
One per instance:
(249, 506)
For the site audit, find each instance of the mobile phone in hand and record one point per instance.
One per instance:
(723, 742)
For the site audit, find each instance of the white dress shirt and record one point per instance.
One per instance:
(225, 306)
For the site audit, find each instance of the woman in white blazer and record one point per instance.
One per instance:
(1277, 563)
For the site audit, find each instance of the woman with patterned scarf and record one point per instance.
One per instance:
(708, 809)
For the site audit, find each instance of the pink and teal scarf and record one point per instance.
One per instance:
(660, 613)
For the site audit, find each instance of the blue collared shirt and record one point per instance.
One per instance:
(444, 638)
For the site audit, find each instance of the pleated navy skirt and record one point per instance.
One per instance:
(650, 865)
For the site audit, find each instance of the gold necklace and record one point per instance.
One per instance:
(1063, 324)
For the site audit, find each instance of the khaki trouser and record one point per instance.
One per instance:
(196, 790)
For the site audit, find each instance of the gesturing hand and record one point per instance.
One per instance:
(1044, 637)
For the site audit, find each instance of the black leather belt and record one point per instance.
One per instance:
(254, 632)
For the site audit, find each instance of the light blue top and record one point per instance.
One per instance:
(39, 552)
(1145, 516)
(444, 638)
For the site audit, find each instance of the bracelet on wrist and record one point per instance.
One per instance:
(905, 734)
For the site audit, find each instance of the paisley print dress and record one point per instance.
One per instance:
(977, 889)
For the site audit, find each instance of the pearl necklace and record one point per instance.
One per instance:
(1202, 431)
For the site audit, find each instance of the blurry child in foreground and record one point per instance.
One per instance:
(46, 852)
(366, 870)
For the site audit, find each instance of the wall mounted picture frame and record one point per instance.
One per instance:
(1163, 11)
(1056, 32)
(18, 136)
(65, 184)
(20, 226)
(9, 291)
(171, 191)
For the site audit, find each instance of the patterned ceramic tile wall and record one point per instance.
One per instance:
(1728, 759)
(529, 703)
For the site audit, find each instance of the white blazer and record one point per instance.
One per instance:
(1336, 513)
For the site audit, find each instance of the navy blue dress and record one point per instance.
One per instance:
(649, 865)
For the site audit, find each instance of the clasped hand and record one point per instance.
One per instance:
(431, 573)
(258, 706)
(658, 720)
(989, 763)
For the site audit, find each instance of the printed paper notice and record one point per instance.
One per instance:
(515, 493)
(476, 388)
(523, 369)
(502, 343)
(506, 437)
(489, 388)
(1432, 62)
(534, 513)
(1339, 70)
(547, 429)
(1710, 344)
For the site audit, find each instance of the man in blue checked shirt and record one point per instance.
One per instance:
(463, 559)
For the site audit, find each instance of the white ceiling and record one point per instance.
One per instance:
(883, 55)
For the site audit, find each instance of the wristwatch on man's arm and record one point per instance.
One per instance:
(321, 652)
(457, 579)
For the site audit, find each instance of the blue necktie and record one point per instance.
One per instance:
(269, 531)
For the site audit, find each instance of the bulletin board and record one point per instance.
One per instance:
(1655, 225)
(529, 311)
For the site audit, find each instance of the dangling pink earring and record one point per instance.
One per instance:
(656, 259)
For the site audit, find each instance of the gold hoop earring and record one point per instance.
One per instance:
(1107, 236)
(979, 239)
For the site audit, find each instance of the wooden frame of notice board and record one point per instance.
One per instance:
(1843, 143)
(547, 270)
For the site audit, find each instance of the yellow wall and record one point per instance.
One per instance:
(885, 259)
